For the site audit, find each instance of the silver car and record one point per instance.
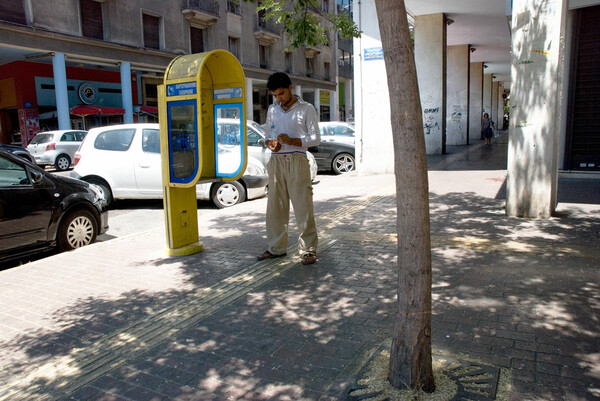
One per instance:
(56, 148)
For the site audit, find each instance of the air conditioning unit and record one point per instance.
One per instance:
(341, 63)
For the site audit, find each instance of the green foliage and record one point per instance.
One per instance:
(301, 20)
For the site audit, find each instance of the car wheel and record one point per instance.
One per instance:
(104, 189)
(343, 163)
(78, 228)
(226, 194)
(62, 162)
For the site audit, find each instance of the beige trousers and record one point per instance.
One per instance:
(289, 180)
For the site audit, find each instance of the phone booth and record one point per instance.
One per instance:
(198, 90)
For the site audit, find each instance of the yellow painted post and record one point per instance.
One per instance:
(198, 90)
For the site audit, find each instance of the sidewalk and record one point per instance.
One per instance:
(119, 320)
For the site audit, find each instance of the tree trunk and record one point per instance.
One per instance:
(410, 359)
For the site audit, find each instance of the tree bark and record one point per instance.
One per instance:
(410, 357)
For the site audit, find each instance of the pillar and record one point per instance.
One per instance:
(494, 112)
(538, 38)
(60, 91)
(430, 60)
(457, 99)
(126, 95)
(349, 99)
(249, 100)
(317, 102)
(475, 101)
(487, 93)
(334, 109)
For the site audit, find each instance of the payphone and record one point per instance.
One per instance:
(198, 91)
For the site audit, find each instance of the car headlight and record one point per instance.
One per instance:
(255, 169)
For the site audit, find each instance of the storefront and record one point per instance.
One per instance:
(28, 99)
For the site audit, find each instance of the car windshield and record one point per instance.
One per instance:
(42, 138)
(256, 126)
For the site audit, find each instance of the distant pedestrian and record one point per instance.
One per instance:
(486, 129)
(292, 125)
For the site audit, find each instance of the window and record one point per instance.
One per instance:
(12, 11)
(288, 62)
(151, 31)
(264, 56)
(91, 19)
(327, 72)
(310, 67)
(118, 140)
(197, 40)
(325, 6)
(151, 141)
(12, 174)
(234, 46)
(233, 6)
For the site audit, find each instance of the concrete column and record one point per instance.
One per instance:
(487, 94)
(126, 96)
(538, 38)
(374, 143)
(349, 98)
(494, 113)
(475, 102)
(298, 91)
(317, 102)
(60, 91)
(334, 109)
(249, 102)
(457, 100)
(430, 59)
(500, 116)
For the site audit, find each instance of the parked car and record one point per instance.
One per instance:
(334, 156)
(56, 147)
(336, 131)
(39, 210)
(125, 162)
(17, 150)
(256, 141)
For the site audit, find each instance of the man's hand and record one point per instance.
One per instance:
(273, 145)
(285, 139)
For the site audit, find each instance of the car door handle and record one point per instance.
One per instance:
(144, 165)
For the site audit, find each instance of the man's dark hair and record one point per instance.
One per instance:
(278, 80)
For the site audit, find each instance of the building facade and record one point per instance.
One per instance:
(110, 55)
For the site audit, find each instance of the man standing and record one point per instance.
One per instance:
(292, 125)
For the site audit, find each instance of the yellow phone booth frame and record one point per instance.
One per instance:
(198, 89)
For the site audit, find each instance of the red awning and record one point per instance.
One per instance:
(149, 109)
(87, 110)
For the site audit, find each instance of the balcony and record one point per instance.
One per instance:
(266, 32)
(202, 13)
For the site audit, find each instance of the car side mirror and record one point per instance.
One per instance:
(37, 177)
(262, 142)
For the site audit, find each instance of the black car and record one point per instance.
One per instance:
(19, 151)
(334, 156)
(39, 210)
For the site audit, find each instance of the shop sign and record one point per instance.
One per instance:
(87, 93)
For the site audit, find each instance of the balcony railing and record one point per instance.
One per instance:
(203, 13)
(209, 6)
(266, 32)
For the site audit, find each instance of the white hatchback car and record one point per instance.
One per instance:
(125, 162)
(56, 147)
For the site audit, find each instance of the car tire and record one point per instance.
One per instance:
(342, 163)
(227, 194)
(104, 188)
(62, 162)
(77, 228)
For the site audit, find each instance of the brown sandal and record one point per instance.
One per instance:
(309, 258)
(269, 255)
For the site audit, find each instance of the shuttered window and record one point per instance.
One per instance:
(197, 40)
(91, 19)
(584, 144)
(151, 31)
(12, 11)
